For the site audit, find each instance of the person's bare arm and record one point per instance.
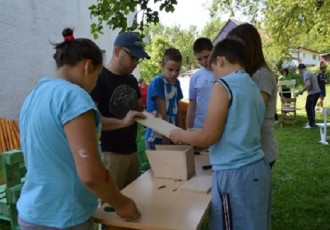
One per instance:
(191, 112)
(265, 96)
(140, 106)
(216, 117)
(179, 120)
(161, 109)
(109, 123)
(81, 135)
(307, 85)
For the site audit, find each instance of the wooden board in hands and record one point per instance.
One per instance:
(157, 124)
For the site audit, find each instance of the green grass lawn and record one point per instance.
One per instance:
(301, 179)
(301, 176)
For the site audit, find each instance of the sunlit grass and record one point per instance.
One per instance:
(301, 179)
(301, 176)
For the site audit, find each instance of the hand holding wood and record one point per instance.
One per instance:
(175, 136)
(128, 209)
(130, 117)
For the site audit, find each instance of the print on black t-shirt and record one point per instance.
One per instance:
(122, 100)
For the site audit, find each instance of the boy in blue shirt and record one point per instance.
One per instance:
(241, 180)
(164, 94)
(200, 84)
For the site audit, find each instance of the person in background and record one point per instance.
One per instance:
(118, 98)
(60, 126)
(286, 91)
(164, 95)
(321, 79)
(241, 179)
(143, 91)
(314, 92)
(264, 78)
(200, 85)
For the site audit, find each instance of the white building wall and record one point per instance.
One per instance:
(309, 58)
(27, 29)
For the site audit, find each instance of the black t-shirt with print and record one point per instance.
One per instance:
(115, 95)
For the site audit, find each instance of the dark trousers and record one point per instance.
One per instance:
(311, 101)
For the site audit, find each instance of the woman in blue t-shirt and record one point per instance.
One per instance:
(60, 127)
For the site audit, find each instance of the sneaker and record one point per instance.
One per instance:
(307, 126)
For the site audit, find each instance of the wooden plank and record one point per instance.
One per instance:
(200, 184)
(2, 138)
(163, 205)
(13, 135)
(3, 130)
(10, 141)
(157, 124)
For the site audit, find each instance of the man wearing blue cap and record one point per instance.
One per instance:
(119, 100)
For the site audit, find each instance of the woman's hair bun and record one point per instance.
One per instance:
(67, 32)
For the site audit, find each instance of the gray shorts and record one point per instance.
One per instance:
(241, 198)
(87, 225)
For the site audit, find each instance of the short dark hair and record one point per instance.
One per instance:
(231, 49)
(141, 80)
(301, 66)
(285, 70)
(72, 50)
(172, 54)
(202, 44)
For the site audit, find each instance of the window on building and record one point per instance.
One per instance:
(314, 57)
(304, 55)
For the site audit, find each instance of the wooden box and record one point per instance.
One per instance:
(172, 161)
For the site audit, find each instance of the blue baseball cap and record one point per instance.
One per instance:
(133, 43)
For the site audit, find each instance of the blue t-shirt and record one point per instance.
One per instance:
(53, 194)
(200, 87)
(239, 144)
(170, 93)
